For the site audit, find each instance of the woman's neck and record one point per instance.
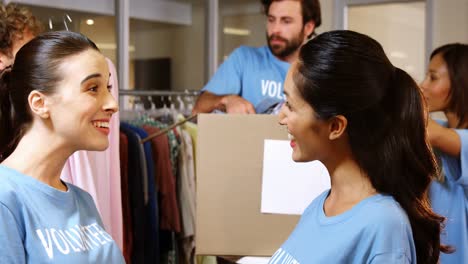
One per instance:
(349, 186)
(40, 157)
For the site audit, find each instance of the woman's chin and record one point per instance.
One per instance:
(99, 146)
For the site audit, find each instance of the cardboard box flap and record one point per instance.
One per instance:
(229, 178)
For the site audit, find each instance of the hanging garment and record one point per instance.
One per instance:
(151, 221)
(126, 208)
(135, 191)
(186, 191)
(165, 180)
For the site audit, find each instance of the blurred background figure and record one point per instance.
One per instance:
(446, 89)
(17, 27)
(250, 80)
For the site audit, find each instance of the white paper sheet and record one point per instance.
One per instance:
(289, 187)
(253, 260)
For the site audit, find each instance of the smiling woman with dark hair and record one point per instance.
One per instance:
(54, 101)
(364, 119)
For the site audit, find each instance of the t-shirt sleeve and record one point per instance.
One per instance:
(228, 77)
(390, 258)
(463, 180)
(11, 249)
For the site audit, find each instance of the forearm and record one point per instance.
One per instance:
(207, 102)
(445, 139)
(231, 104)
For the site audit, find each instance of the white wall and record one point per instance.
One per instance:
(399, 28)
(327, 7)
(450, 21)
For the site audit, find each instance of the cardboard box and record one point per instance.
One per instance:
(229, 177)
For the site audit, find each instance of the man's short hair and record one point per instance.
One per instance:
(14, 21)
(310, 10)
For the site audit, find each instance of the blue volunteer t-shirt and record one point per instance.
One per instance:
(40, 224)
(252, 73)
(376, 230)
(450, 199)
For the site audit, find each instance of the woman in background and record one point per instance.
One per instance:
(446, 89)
(54, 101)
(350, 108)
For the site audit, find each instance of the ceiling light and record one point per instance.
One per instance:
(112, 46)
(236, 31)
(398, 55)
(89, 22)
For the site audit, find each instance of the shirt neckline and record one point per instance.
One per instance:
(50, 191)
(329, 220)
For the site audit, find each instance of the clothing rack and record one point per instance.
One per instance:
(123, 92)
(167, 129)
(164, 218)
(65, 18)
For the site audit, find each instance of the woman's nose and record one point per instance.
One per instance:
(282, 116)
(111, 104)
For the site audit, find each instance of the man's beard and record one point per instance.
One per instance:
(291, 45)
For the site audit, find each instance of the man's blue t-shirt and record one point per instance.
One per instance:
(376, 230)
(40, 224)
(449, 198)
(252, 73)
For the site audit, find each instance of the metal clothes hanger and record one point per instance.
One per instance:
(65, 18)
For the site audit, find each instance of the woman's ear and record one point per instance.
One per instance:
(338, 126)
(37, 103)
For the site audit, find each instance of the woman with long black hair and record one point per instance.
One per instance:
(364, 119)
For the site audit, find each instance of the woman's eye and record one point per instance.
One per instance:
(93, 89)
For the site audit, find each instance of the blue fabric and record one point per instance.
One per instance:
(449, 198)
(40, 224)
(135, 193)
(152, 221)
(267, 106)
(252, 73)
(376, 230)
